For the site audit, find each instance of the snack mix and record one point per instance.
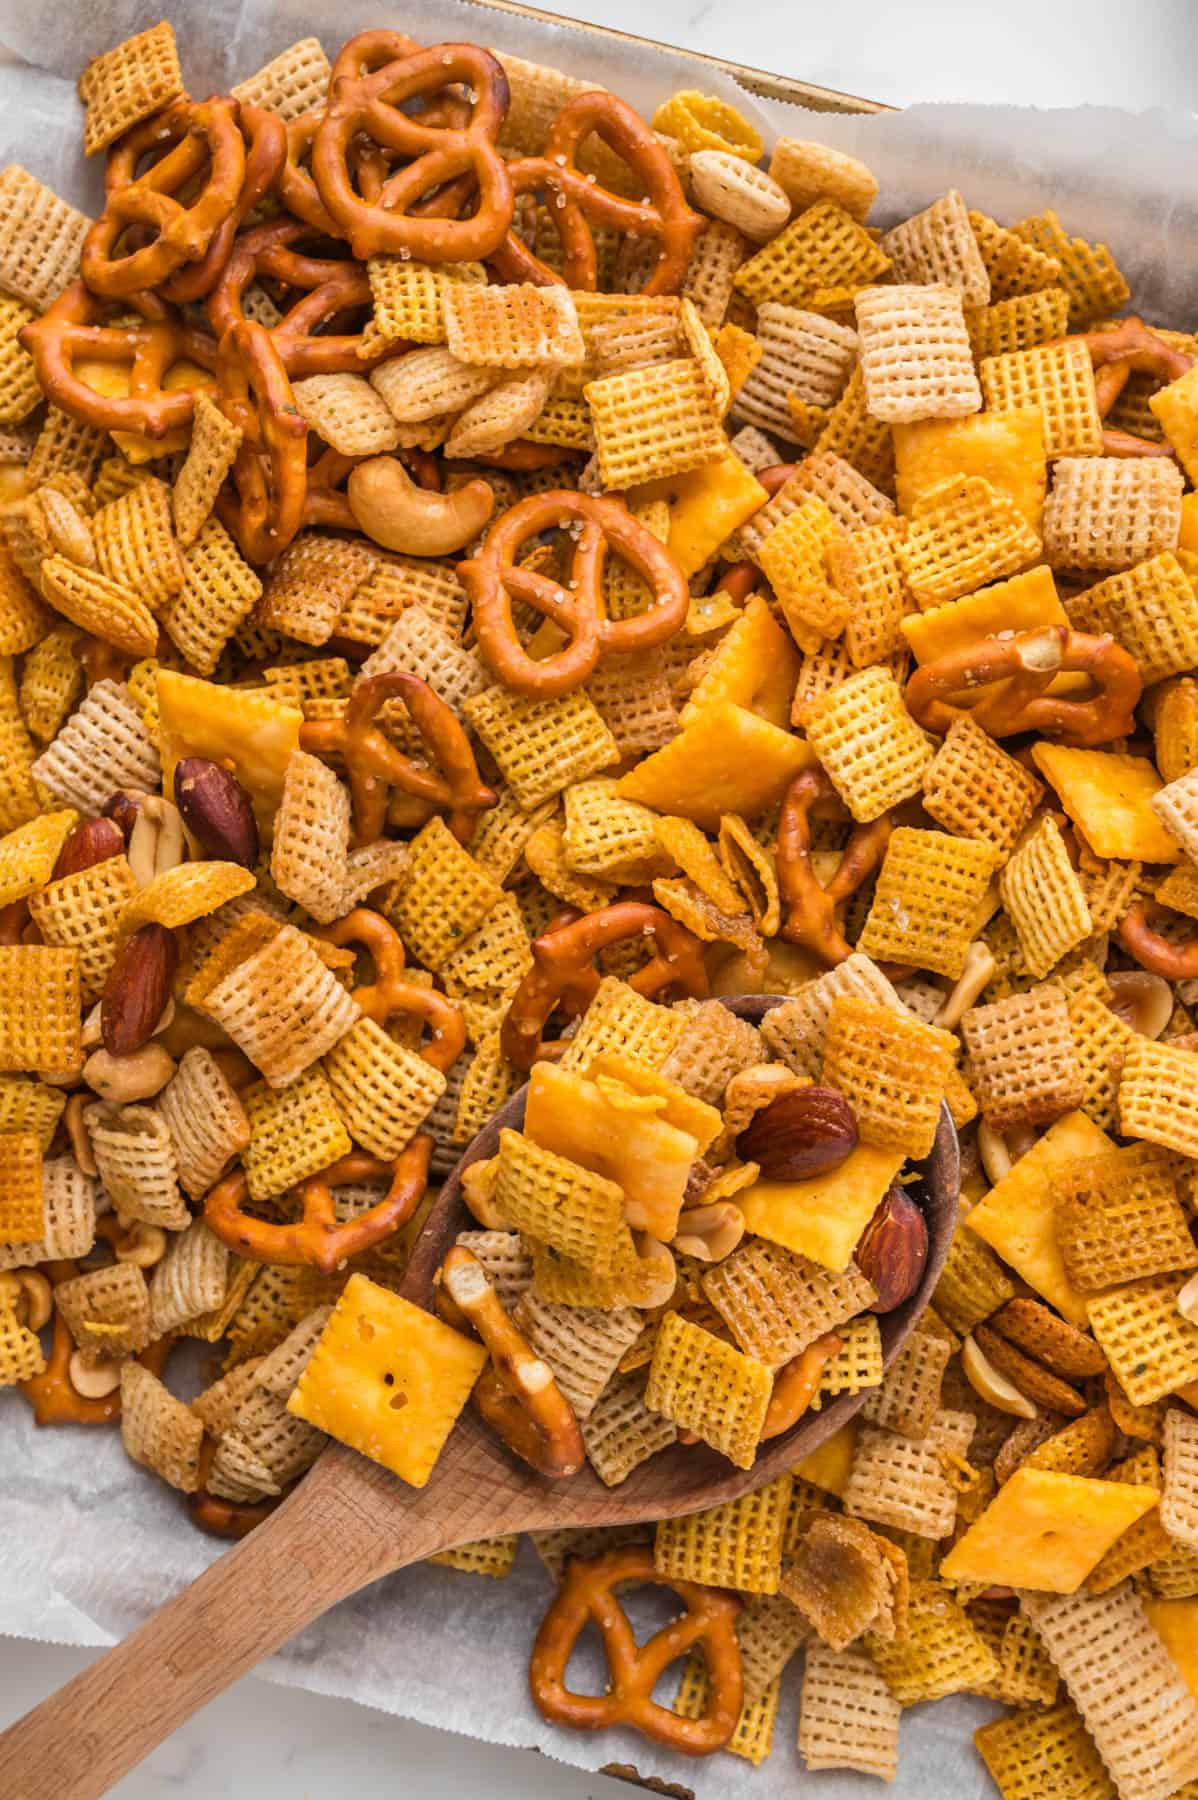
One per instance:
(483, 577)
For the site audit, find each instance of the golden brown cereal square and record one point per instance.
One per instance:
(892, 1070)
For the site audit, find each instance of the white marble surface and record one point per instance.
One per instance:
(279, 1744)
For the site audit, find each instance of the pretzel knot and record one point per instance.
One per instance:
(224, 1518)
(317, 1239)
(324, 289)
(1119, 351)
(493, 581)
(270, 474)
(563, 969)
(811, 906)
(265, 138)
(1025, 664)
(1159, 954)
(70, 334)
(516, 1393)
(200, 154)
(374, 764)
(587, 1593)
(366, 105)
(389, 994)
(578, 203)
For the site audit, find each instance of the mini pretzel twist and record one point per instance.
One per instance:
(70, 332)
(1116, 352)
(325, 499)
(796, 1385)
(1176, 962)
(516, 1393)
(365, 101)
(316, 1239)
(578, 203)
(201, 156)
(265, 138)
(586, 1593)
(224, 1518)
(389, 994)
(326, 288)
(1025, 664)
(270, 475)
(811, 906)
(563, 968)
(493, 580)
(374, 764)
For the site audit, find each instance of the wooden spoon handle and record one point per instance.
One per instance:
(317, 1548)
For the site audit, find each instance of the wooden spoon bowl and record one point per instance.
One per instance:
(349, 1522)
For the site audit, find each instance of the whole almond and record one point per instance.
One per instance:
(138, 987)
(216, 810)
(91, 842)
(800, 1134)
(893, 1249)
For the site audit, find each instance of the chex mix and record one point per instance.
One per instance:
(485, 578)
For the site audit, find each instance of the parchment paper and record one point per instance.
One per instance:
(90, 1545)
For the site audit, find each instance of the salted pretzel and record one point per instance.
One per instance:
(563, 969)
(326, 289)
(578, 204)
(52, 1395)
(1118, 351)
(493, 581)
(811, 907)
(270, 474)
(325, 499)
(222, 1518)
(71, 331)
(316, 1239)
(516, 1393)
(1025, 663)
(265, 157)
(374, 765)
(191, 189)
(390, 993)
(1152, 950)
(365, 103)
(587, 1593)
(796, 1384)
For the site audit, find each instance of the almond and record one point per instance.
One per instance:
(122, 808)
(800, 1134)
(216, 810)
(138, 987)
(94, 841)
(893, 1249)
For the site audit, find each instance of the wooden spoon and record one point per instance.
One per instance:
(350, 1522)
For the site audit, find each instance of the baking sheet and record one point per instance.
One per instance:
(89, 1545)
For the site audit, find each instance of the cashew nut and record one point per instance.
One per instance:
(1142, 1000)
(122, 1079)
(479, 1182)
(999, 1153)
(979, 967)
(138, 1243)
(77, 1131)
(28, 1295)
(710, 1232)
(156, 842)
(391, 509)
(93, 1381)
(1187, 1300)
